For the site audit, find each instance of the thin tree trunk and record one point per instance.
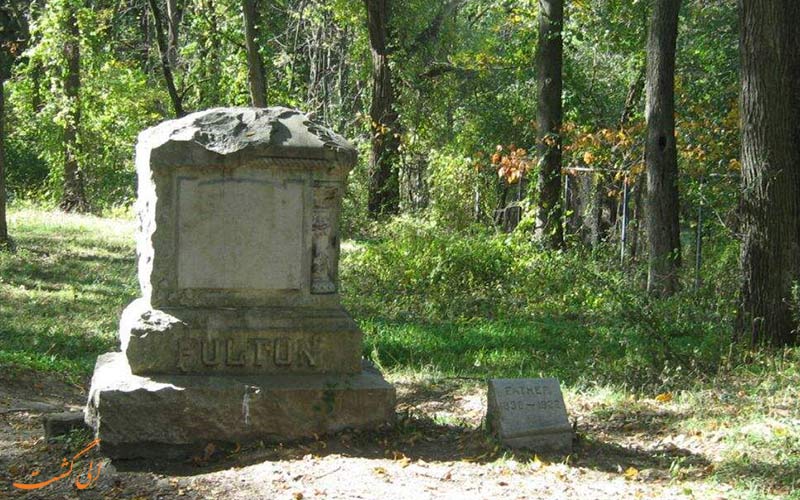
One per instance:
(144, 25)
(342, 86)
(549, 61)
(163, 50)
(74, 198)
(663, 228)
(173, 24)
(631, 103)
(636, 228)
(5, 241)
(632, 98)
(36, 86)
(770, 104)
(255, 66)
(209, 54)
(384, 187)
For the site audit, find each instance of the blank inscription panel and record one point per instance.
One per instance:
(240, 230)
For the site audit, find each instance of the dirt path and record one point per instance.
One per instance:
(437, 450)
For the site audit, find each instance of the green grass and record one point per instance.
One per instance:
(486, 304)
(62, 291)
(482, 348)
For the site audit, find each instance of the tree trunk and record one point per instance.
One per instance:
(548, 116)
(255, 66)
(144, 25)
(663, 228)
(74, 198)
(770, 104)
(4, 239)
(632, 98)
(384, 187)
(163, 50)
(635, 209)
(173, 23)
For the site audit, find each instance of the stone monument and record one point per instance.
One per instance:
(239, 334)
(529, 413)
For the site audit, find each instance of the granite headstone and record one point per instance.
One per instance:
(529, 413)
(239, 333)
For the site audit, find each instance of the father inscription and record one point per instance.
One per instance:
(529, 413)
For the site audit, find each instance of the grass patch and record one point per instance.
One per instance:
(498, 348)
(481, 303)
(435, 311)
(63, 289)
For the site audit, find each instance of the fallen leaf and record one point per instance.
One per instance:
(631, 473)
(537, 463)
(664, 397)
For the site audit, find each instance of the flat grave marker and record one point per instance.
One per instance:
(529, 413)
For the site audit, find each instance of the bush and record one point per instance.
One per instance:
(579, 314)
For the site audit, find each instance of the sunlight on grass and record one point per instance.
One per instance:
(736, 426)
(62, 291)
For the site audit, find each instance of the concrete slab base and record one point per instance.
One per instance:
(143, 416)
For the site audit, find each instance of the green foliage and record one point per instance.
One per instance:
(480, 303)
(116, 102)
(454, 184)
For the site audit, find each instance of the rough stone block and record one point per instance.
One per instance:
(135, 416)
(238, 208)
(246, 341)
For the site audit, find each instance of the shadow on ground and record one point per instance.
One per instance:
(419, 435)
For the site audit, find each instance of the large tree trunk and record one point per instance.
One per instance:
(663, 230)
(4, 239)
(255, 66)
(384, 187)
(163, 50)
(74, 197)
(548, 116)
(770, 105)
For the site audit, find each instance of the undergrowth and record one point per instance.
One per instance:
(489, 304)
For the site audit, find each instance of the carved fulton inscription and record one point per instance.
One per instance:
(281, 352)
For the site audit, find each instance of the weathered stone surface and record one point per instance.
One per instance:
(529, 413)
(237, 207)
(239, 341)
(240, 232)
(58, 424)
(239, 333)
(129, 412)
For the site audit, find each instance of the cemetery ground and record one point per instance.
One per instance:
(723, 425)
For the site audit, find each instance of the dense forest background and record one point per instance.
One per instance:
(463, 75)
(458, 161)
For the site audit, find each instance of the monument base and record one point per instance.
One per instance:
(170, 415)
